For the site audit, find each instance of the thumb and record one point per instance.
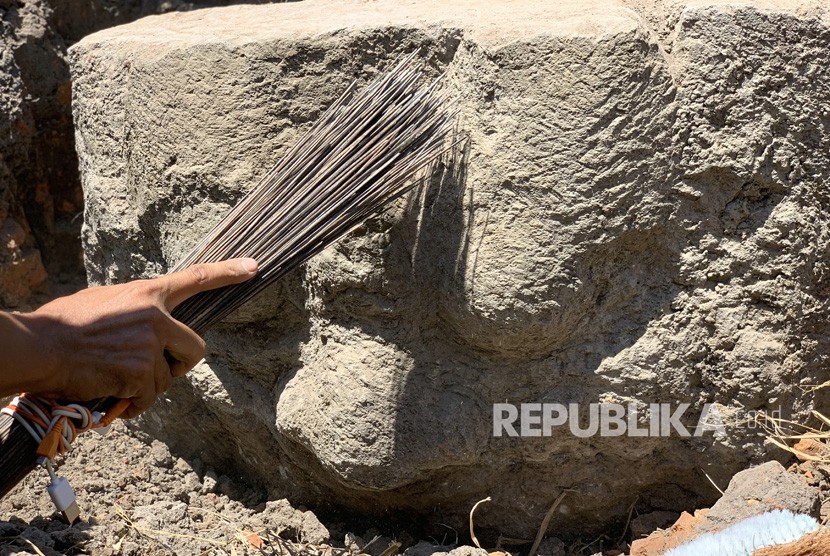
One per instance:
(178, 286)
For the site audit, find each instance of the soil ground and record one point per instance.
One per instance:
(137, 499)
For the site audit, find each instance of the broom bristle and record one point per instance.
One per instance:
(363, 152)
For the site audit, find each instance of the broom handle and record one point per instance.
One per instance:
(18, 449)
(17, 453)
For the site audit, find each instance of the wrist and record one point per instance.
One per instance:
(37, 352)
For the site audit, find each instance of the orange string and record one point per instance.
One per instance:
(52, 443)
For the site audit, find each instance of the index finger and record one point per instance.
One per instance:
(178, 286)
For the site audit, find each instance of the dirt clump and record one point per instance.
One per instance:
(137, 499)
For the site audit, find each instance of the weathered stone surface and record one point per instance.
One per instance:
(641, 218)
(21, 269)
(761, 489)
(295, 523)
(40, 191)
(751, 492)
(38, 164)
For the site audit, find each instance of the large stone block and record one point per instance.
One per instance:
(640, 217)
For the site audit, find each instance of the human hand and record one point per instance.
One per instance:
(111, 340)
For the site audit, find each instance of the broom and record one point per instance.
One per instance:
(362, 153)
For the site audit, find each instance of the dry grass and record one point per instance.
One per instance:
(807, 443)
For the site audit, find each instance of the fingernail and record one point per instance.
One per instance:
(249, 265)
